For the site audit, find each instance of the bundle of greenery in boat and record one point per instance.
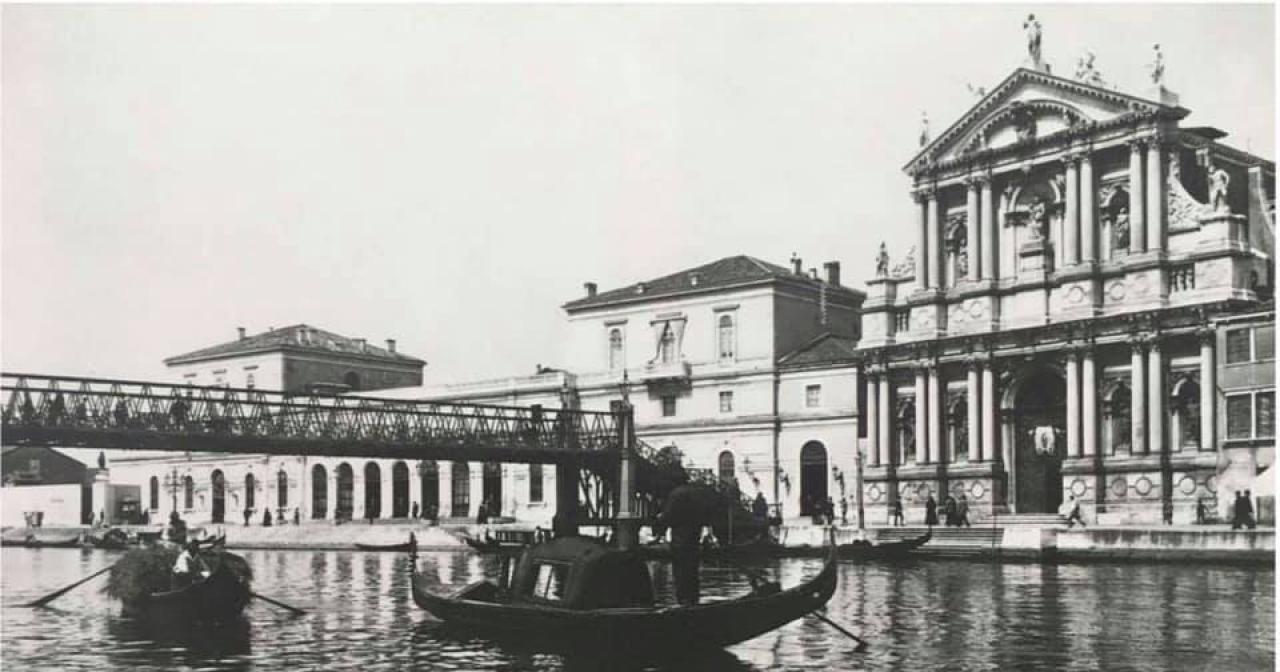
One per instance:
(144, 571)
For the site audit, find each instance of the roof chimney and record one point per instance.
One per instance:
(591, 288)
(240, 332)
(797, 265)
(640, 288)
(813, 273)
(833, 272)
(362, 344)
(391, 345)
(302, 335)
(694, 278)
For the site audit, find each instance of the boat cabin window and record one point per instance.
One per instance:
(551, 580)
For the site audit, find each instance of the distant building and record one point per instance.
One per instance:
(1247, 419)
(213, 488)
(45, 487)
(299, 358)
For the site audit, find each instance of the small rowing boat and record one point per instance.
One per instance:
(217, 598)
(889, 550)
(396, 548)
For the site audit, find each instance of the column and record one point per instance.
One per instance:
(331, 491)
(886, 419)
(973, 228)
(973, 404)
(1071, 217)
(1138, 386)
(873, 418)
(445, 470)
(987, 449)
(1155, 398)
(1155, 196)
(936, 422)
(1073, 404)
(922, 405)
(1089, 405)
(477, 488)
(935, 245)
(1208, 391)
(989, 233)
(415, 488)
(922, 240)
(387, 489)
(1137, 199)
(1088, 208)
(357, 493)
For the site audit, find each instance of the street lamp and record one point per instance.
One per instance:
(172, 481)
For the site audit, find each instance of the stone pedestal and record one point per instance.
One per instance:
(1224, 230)
(1034, 255)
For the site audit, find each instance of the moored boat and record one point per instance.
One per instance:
(112, 540)
(576, 593)
(50, 542)
(865, 550)
(397, 548)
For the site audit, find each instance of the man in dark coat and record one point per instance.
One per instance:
(687, 509)
(1237, 512)
(1246, 507)
(930, 511)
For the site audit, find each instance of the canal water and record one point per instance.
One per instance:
(922, 615)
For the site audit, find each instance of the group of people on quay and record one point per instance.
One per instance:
(1242, 511)
(955, 512)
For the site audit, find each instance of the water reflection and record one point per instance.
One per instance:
(924, 615)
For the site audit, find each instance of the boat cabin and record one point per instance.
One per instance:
(578, 573)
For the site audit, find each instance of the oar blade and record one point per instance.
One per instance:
(63, 591)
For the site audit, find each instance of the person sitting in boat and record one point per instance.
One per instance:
(177, 531)
(760, 509)
(187, 566)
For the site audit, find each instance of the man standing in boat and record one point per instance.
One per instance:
(687, 509)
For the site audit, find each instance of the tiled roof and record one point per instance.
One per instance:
(725, 272)
(295, 337)
(824, 349)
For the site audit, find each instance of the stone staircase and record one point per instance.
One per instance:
(950, 541)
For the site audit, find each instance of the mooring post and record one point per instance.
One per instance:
(628, 522)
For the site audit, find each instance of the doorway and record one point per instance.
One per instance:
(813, 478)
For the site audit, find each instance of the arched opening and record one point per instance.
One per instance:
(346, 492)
(154, 491)
(218, 486)
(1117, 417)
(1186, 413)
(813, 478)
(1114, 215)
(351, 380)
(282, 489)
(400, 490)
(319, 492)
(188, 493)
(906, 430)
(429, 474)
(957, 251)
(958, 429)
(1035, 412)
(461, 481)
(250, 488)
(725, 467)
(492, 488)
(372, 490)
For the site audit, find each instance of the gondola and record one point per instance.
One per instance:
(889, 550)
(219, 598)
(576, 593)
(112, 540)
(396, 548)
(36, 542)
(493, 546)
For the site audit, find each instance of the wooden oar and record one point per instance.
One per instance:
(296, 611)
(59, 593)
(862, 644)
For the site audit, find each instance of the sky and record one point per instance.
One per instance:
(448, 176)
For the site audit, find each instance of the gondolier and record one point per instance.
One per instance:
(687, 509)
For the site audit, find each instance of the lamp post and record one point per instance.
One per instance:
(173, 482)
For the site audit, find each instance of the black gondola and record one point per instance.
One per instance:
(888, 550)
(396, 548)
(576, 593)
(112, 540)
(36, 542)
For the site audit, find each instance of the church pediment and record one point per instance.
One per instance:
(1026, 106)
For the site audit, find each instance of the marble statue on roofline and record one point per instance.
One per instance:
(882, 261)
(1032, 28)
(1157, 67)
(924, 128)
(1086, 71)
(907, 266)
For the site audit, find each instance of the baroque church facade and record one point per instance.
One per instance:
(1054, 331)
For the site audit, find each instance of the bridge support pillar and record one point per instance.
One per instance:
(628, 524)
(565, 522)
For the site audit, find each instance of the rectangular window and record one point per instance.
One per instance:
(902, 320)
(669, 406)
(812, 396)
(726, 402)
(1239, 346)
(549, 581)
(1266, 414)
(535, 483)
(1240, 416)
(1264, 343)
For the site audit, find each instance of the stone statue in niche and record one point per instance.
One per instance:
(1121, 230)
(882, 261)
(1038, 219)
(1219, 180)
(962, 259)
(1032, 28)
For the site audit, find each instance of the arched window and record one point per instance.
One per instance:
(461, 490)
(535, 483)
(352, 380)
(725, 338)
(188, 493)
(725, 465)
(372, 490)
(249, 487)
(319, 492)
(1116, 412)
(1186, 412)
(155, 493)
(615, 349)
(346, 493)
(282, 489)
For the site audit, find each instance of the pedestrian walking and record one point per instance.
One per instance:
(896, 508)
(1072, 509)
(1246, 516)
(844, 510)
(930, 511)
(248, 514)
(962, 512)
(949, 509)
(266, 517)
(1237, 511)
(414, 513)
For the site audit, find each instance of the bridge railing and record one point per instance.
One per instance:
(50, 408)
